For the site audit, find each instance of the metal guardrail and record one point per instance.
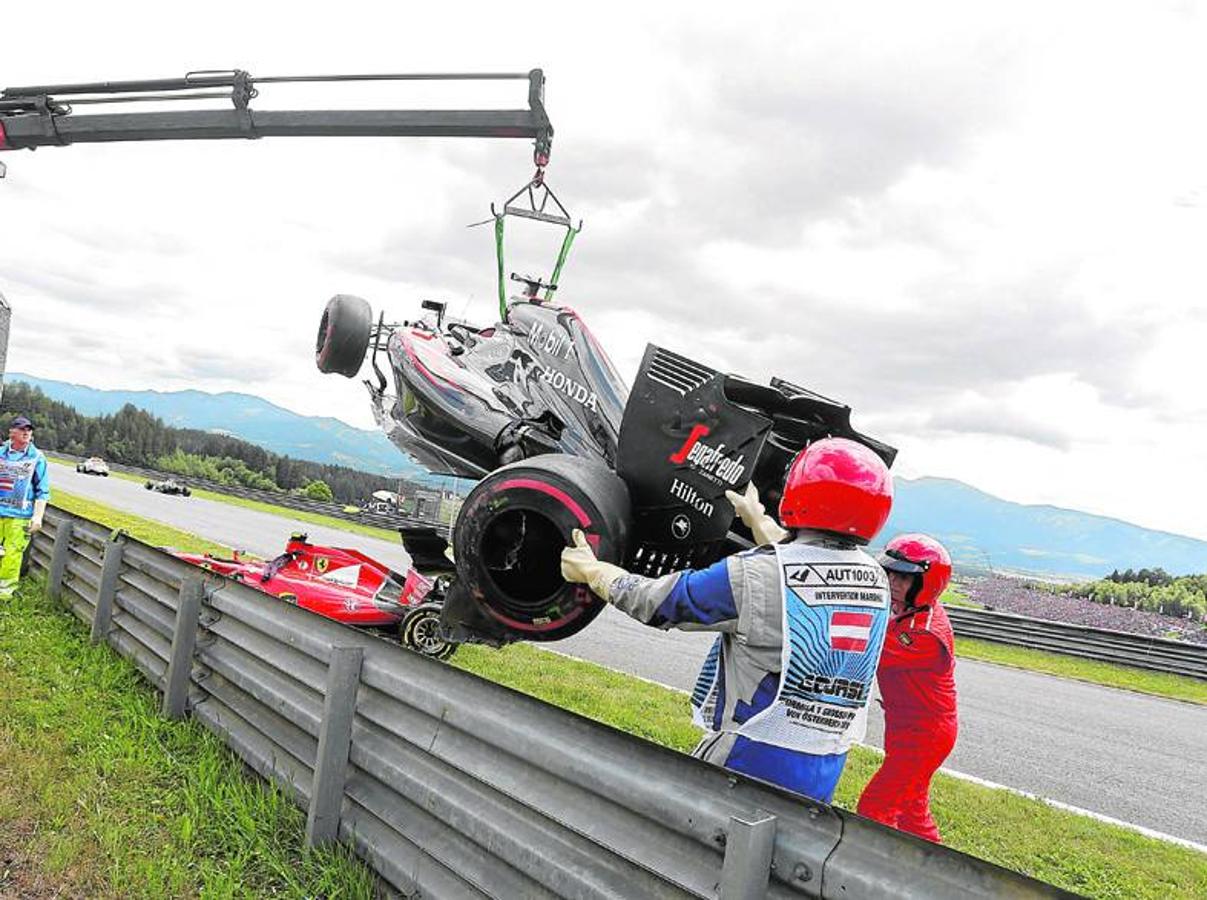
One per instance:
(452, 786)
(289, 501)
(1121, 647)
(1143, 651)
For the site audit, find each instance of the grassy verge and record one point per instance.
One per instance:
(154, 533)
(259, 506)
(301, 515)
(957, 596)
(101, 797)
(1160, 684)
(1072, 851)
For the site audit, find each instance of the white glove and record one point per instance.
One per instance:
(35, 522)
(750, 510)
(580, 566)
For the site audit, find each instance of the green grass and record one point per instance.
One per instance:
(101, 797)
(145, 530)
(301, 515)
(1075, 852)
(260, 506)
(1160, 684)
(957, 596)
(104, 798)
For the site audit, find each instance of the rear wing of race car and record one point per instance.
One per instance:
(690, 433)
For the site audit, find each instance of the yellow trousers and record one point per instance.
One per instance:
(14, 538)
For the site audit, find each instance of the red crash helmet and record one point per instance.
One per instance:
(837, 485)
(923, 557)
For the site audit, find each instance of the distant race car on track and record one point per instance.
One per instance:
(345, 585)
(93, 465)
(169, 486)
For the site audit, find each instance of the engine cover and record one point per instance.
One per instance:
(683, 443)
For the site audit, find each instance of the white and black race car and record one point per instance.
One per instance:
(169, 486)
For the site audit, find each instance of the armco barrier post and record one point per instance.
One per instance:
(58, 559)
(748, 850)
(184, 638)
(335, 737)
(110, 570)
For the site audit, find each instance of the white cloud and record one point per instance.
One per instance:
(981, 227)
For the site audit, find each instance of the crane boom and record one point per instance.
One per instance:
(46, 116)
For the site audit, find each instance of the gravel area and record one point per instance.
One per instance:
(1015, 596)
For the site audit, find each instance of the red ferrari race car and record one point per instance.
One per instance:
(344, 585)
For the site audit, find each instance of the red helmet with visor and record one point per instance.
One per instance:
(923, 557)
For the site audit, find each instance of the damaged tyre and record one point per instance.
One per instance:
(510, 534)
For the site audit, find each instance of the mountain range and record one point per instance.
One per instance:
(317, 438)
(981, 530)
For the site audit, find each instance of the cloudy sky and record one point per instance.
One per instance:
(982, 228)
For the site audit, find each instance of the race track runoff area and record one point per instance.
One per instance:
(1129, 756)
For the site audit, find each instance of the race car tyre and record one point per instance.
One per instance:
(148, 485)
(420, 631)
(510, 534)
(343, 335)
(186, 492)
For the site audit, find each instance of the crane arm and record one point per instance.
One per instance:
(47, 115)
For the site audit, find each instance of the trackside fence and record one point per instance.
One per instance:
(1177, 657)
(448, 785)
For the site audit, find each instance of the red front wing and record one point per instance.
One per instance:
(335, 582)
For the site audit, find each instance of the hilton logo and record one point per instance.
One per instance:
(681, 526)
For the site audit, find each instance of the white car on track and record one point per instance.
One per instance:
(93, 465)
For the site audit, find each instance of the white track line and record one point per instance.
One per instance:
(962, 776)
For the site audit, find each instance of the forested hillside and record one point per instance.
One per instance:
(135, 437)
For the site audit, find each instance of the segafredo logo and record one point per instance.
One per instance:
(563, 384)
(714, 462)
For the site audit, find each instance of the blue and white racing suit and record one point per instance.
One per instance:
(783, 694)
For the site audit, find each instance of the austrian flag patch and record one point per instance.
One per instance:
(850, 631)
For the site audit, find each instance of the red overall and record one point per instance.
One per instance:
(919, 695)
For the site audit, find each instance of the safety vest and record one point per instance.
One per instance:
(835, 613)
(16, 485)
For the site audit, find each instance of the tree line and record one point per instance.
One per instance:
(135, 437)
(1184, 596)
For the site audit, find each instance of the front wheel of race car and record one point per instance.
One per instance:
(343, 335)
(420, 631)
(510, 534)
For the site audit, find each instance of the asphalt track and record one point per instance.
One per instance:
(1129, 756)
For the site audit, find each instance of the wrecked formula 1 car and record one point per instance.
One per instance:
(532, 406)
(344, 585)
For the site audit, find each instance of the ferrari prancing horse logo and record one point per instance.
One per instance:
(322, 564)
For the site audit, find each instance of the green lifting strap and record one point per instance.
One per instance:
(499, 257)
(567, 242)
